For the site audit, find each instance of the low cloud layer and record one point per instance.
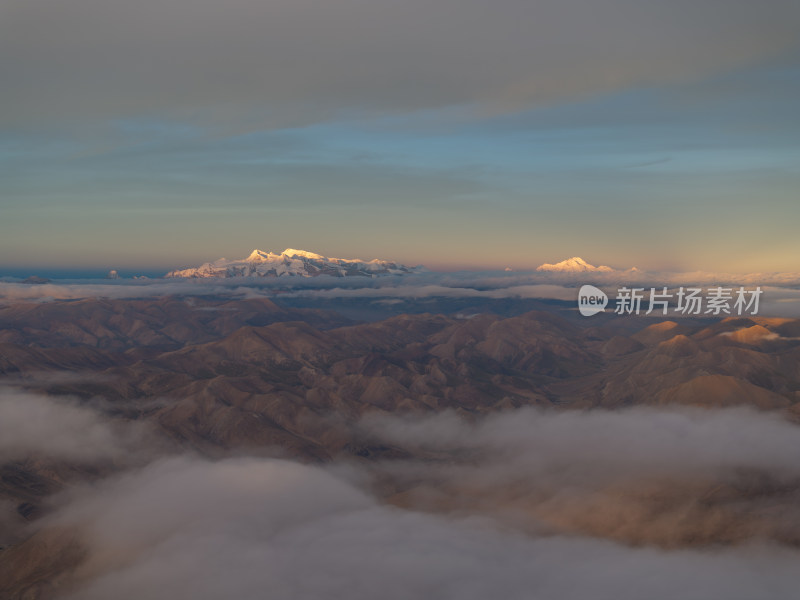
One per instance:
(12, 291)
(671, 478)
(511, 506)
(644, 502)
(635, 441)
(781, 295)
(34, 426)
(428, 283)
(186, 528)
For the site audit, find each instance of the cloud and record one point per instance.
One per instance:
(672, 478)
(189, 528)
(13, 292)
(251, 64)
(633, 442)
(33, 426)
(431, 290)
(514, 505)
(780, 298)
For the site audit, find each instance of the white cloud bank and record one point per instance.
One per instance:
(634, 441)
(39, 426)
(246, 528)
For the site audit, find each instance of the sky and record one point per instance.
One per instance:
(459, 134)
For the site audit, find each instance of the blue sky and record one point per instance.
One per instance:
(659, 163)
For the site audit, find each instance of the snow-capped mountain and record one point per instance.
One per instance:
(293, 263)
(573, 265)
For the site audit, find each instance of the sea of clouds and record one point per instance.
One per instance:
(522, 504)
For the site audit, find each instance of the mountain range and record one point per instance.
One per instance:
(220, 377)
(219, 361)
(302, 263)
(293, 263)
(573, 265)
